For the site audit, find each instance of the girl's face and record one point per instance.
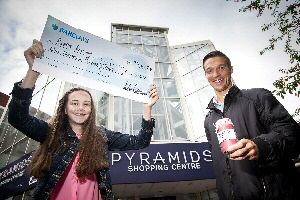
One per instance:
(79, 107)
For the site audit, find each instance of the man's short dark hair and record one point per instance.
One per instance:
(216, 54)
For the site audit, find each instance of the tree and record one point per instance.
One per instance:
(287, 21)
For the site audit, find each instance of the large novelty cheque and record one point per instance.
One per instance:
(82, 58)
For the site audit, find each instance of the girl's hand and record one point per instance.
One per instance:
(153, 94)
(36, 50)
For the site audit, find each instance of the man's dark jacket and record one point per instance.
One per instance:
(36, 129)
(256, 115)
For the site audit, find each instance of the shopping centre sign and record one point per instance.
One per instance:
(14, 178)
(162, 162)
(156, 163)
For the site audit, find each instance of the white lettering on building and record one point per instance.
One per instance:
(161, 162)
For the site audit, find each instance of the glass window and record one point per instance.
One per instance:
(189, 50)
(43, 116)
(19, 136)
(148, 40)
(188, 84)
(166, 70)
(4, 157)
(18, 150)
(158, 84)
(161, 131)
(137, 121)
(101, 100)
(48, 103)
(134, 31)
(122, 31)
(199, 78)
(134, 39)
(1, 112)
(147, 33)
(158, 112)
(156, 72)
(32, 111)
(122, 38)
(193, 61)
(178, 54)
(160, 34)
(128, 115)
(202, 53)
(196, 115)
(162, 54)
(137, 108)
(123, 45)
(33, 145)
(136, 48)
(176, 119)
(9, 138)
(161, 41)
(205, 95)
(122, 114)
(197, 104)
(5, 127)
(101, 104)
(182, 67)
(149, 51)
(169, 87)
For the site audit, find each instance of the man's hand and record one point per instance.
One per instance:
(243, 149)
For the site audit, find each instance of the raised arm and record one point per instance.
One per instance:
(18, 112)
(121, 142)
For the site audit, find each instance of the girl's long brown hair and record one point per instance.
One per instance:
(91, 145)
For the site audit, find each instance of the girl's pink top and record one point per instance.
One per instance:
(69, 187)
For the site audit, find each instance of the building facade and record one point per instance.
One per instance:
(179, 115)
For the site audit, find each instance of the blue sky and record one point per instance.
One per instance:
(237, 34)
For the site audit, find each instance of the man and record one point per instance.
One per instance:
(259, 165)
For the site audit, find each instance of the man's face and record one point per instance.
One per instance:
(218, 74)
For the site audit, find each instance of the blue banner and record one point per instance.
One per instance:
(14, 178)
(157, 163)
(162, 163)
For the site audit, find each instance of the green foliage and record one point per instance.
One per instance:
(287, 21)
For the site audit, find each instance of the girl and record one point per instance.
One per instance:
(72, 159)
